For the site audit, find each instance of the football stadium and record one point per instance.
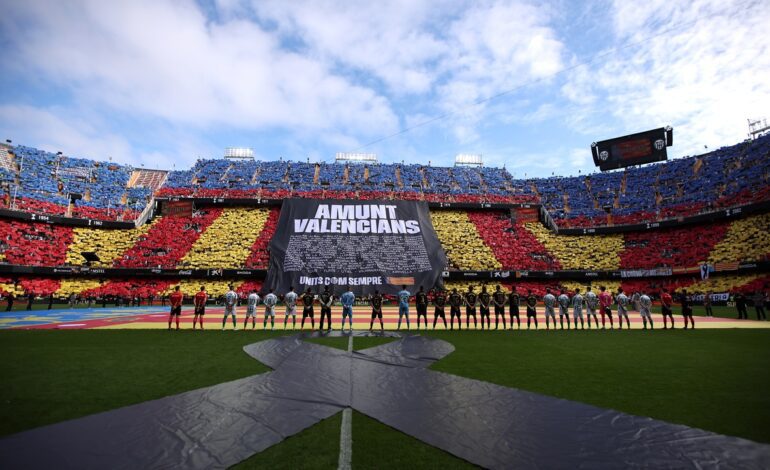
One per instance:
(250, 311)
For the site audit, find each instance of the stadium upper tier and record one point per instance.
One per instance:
(235, 238)
(40, 181)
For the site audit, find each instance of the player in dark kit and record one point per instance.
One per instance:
(498, 298)
(513, 306)
(470, 307)
(686, 309)
(439, 301)
(531, 308)
(484, 300)
(455, 302)
(326, 299)
(665, 307)
(307, 308)
(421, 301)
(376, 301)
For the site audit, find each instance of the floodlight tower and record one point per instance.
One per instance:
(352, 157)
(469, 159)
(239, 153)
(757, 127)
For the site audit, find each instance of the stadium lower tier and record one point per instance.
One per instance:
(235, 238)
(83, 288)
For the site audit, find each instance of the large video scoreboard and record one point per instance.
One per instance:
(634, 149)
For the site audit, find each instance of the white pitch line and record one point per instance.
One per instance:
(346, 430)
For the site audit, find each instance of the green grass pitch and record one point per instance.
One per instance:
(712, 379)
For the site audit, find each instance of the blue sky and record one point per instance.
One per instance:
(159, 83)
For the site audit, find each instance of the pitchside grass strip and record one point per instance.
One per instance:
(317, 447)
(376, 445)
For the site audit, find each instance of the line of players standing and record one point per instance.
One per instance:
(455, 300)
(499, 299)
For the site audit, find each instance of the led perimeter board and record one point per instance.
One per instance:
(634, 149)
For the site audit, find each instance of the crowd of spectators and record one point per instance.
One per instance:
(746, 240)
(464, 248)
(227, 242)
(47, 182)
(730, 176)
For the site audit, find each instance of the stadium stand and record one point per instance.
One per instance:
(128, 288)
(33, 244)
(688, 246)
(76, 286)
(729, 283)
(215, 288)
(108, 245)
(227, 241)
(465, 250)
(150, 179)
(260, 255)
(474, 240)
(167, 240)
(514, 246)
(746, 240)
(45, 179)
(726, 177)
(596, 252)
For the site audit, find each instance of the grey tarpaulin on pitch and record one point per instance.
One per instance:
(486, 424)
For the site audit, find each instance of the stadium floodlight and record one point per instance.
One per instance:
(757, 127)
(468, 159)
(355, 157)
(239, 153)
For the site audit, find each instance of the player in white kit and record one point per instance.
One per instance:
(563, 300)
(577, 308)
(270, 301)
(622, 300)
(550, 304)
(290, 299)
(251, 310)
(645, 304)
(231, 299)
(591, 303)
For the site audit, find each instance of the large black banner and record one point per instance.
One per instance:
(366, 245)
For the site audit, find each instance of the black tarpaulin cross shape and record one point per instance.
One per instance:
(486, 424)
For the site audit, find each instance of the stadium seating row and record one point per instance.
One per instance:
(746, 239)
(598, 252)
(46, 179)
(464, 248)
(227, 242)
(726, 177)
(513, 245)
(473, 240)
(108, 245)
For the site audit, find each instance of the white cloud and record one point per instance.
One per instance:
(464, 52)
(56, 130)
(704, 77)
(166, 60)
(391, 40)
(493, 49)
